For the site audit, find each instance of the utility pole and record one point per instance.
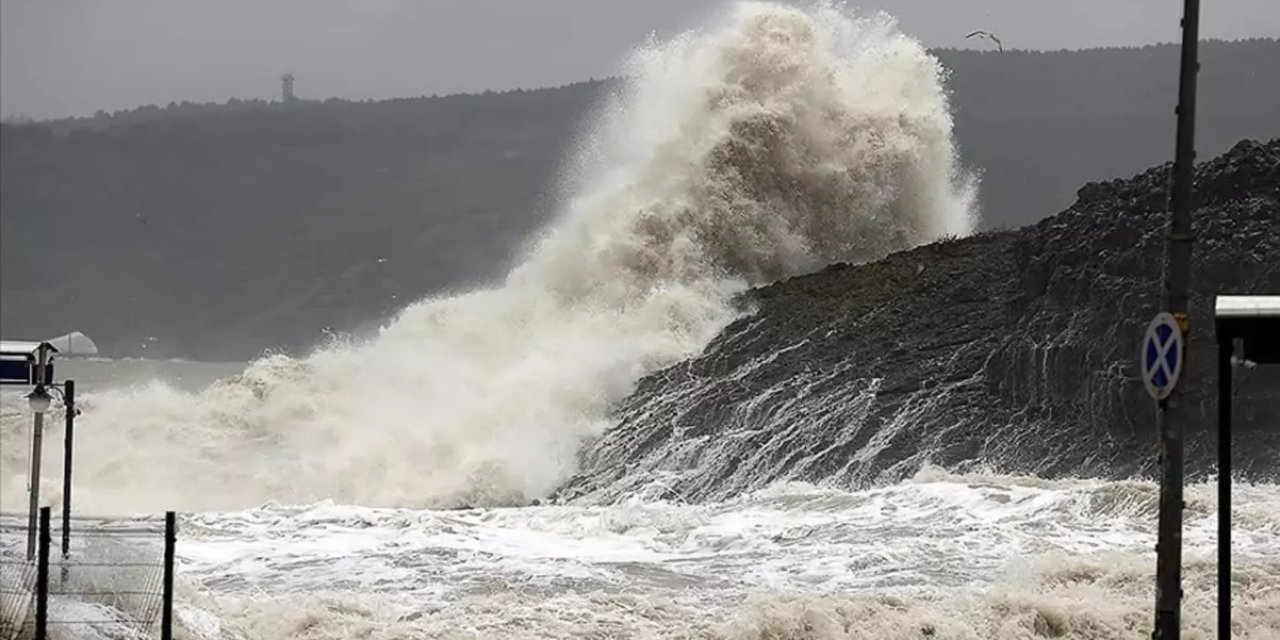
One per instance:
(1172, 416)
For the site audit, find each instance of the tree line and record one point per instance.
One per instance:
(216, 231)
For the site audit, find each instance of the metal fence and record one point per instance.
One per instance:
(114, 580)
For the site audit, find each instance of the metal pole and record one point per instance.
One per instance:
(69, 399)
(42, 578)
(1225, 349)
(170, 541)
(1169, 542)
(1172, 416)
(37, 443)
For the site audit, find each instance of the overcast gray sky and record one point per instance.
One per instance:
(70, 57)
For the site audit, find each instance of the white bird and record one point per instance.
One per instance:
(988, 35)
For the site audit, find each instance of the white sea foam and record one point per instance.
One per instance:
(968, 557)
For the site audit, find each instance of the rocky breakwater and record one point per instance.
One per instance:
(1013, 351)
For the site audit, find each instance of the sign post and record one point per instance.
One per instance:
(1172, 415)
(68, 449)
(1162, 356)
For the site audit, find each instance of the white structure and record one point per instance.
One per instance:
(19, 360)
(74, 344)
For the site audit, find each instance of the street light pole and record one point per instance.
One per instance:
(1172, 416)
(37, 443)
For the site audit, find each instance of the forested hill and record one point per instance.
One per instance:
(215, 231)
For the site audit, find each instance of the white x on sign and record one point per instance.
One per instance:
(1161, 356)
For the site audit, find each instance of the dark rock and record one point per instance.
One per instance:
(1014, 351)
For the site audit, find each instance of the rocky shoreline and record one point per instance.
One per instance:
(1013, 351)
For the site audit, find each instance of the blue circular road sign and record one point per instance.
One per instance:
(1162, 354)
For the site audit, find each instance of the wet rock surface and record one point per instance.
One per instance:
(1014, 351)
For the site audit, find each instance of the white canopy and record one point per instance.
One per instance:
(1247, 306)
(22, 348)
(74, 344)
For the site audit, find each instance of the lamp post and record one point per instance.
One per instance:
(39, 399)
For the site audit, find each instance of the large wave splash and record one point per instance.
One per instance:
(771, 144)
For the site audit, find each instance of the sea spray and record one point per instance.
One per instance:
(767, 145)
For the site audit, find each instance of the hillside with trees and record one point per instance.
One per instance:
(218, 231)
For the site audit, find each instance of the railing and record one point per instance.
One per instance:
(116, 579)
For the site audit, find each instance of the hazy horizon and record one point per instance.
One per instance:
(76, 57)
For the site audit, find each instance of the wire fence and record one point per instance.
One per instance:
(114, 580)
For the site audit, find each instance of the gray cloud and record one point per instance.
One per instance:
(66, 57)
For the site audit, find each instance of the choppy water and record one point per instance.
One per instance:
(939, 556)
(769, 145)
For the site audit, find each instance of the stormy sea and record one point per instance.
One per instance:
(759, 380)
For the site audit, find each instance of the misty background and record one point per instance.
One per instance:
(73, 57)
(192, 212)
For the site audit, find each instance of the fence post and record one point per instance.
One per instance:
(170, 541)
(42, 577)
(69, 399)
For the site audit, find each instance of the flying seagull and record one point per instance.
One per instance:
(988, 35)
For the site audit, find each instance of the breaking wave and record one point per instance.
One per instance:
(773, 143)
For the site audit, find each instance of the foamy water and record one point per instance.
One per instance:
(942, 556)
(769, 144)
(966, 556)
